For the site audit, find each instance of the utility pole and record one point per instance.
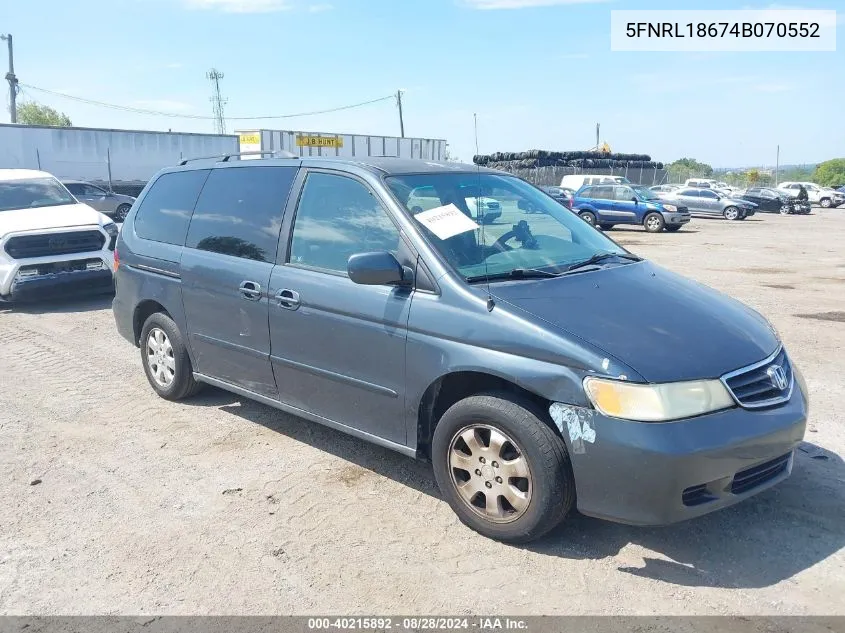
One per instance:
(598, 128)
(777, 168)
(217, 100)
(401, 120)
(13, 81)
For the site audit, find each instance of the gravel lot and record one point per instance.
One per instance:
(115, 501)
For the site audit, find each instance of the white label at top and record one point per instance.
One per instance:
(745, 30)
(446, 222)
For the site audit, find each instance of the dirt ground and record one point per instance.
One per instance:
(115, 501)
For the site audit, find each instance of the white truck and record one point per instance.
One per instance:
(822, 196)
(50, 243)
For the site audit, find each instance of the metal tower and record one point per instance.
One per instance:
(217, 100)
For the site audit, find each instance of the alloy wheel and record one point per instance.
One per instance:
(160, 357)
(490, 473)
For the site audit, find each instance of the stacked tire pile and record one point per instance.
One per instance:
(536, 158)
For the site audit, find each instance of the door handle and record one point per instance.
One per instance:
(288, 299)
(250, 290)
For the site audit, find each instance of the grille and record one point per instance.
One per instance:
(25, 246)
(696, 495)
(683, 209)
(750, 478)
(762, 385)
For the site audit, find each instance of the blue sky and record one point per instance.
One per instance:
(538, 76)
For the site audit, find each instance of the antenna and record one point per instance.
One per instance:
(217, 100)
(479, 211)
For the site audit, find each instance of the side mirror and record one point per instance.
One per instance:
(377, 269)
(635, 200)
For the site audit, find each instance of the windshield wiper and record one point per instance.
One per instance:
(516, 273)
(600, 257)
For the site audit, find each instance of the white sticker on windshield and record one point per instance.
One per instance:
(446, 222)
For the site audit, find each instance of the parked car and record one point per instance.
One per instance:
(49, 242)
(114, 205)
(707, 202)
(701, 183)
(564, 195)
(608, 205)
(661, 189)
(576, 181)
(482, 209)
(770, 200)
(549, 369)
(817, 195)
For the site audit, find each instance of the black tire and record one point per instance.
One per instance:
(732, 213)
(825, 203)
(674, 228)
(552, 482)
(653, 222)
(588, 217)
(121, 212)
(606, 227)
(182, 384)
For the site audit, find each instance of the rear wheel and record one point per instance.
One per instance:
(165, 358)
(731, 213)
(121, 212)
(588, 217)
(653, 223)
(606, 227)
(503, 471)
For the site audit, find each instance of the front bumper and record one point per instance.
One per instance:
(675, 218)
(659, 473)
(64, 284)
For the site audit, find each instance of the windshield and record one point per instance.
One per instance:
(491, 224)
(31, 193)
(644, 193)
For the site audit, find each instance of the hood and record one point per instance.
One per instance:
(48, 218)
(664, 326)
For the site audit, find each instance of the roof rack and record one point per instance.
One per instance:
(224, 158)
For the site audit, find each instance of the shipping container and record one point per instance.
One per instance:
(100, 155)
(304, 143)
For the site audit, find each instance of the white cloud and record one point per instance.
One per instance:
(319, 8)
(166, 105)
(521, 4)
(240, 6)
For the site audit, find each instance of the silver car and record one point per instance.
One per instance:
(114, 205)
(709, 202)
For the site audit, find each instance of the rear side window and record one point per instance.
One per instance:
(239, 212)
(165, 211)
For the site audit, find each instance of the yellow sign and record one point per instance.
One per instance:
(250, 138)
(319, 141)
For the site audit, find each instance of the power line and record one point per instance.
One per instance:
(176, 115)
(217, 99)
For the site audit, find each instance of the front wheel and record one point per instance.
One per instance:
(503, 471)
(731, 213)
(588, 217)
(825, 203)
(653, 223)
(784, 209)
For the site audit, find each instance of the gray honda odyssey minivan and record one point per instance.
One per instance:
(538, 365)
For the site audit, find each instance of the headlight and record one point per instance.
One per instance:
(670, 207)
(656, 403)
(111, 229)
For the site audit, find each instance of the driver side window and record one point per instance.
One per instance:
(624, 194)
(337, 217)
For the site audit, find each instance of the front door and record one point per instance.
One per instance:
(710, 202)
(339, 347)
(94, 197)
(228, 258)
